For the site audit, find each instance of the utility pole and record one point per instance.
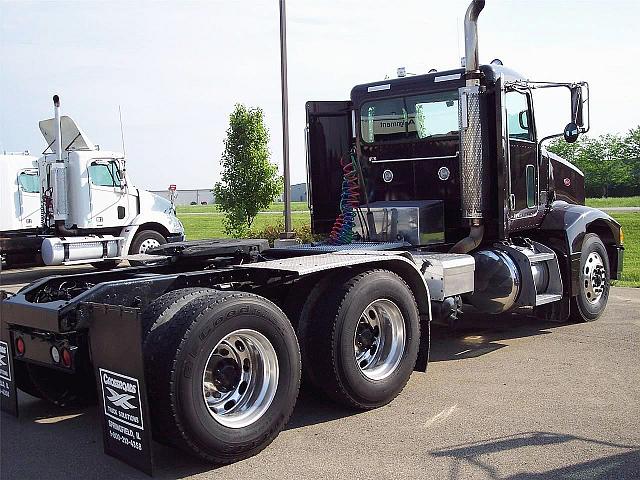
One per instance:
(285, 122)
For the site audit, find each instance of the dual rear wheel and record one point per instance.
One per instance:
(223, 369)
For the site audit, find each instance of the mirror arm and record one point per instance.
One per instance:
(548, 137)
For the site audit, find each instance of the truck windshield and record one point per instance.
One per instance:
(29, 182)
(418, 117)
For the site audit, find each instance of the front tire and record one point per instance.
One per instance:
(146, 240)
(594, 282)
(222, 375)
(360, 340)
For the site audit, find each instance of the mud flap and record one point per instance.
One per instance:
(425, 341)
(8, 392)
(116, 350)
(555, 311)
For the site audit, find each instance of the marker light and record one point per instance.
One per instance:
(20, 346)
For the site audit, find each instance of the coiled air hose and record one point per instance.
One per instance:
(342, 231)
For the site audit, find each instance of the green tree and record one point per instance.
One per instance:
(606, 161)
(250, 182)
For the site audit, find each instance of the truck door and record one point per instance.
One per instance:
(29, 185)
(108, 194)
(523, 161)
(329, 135)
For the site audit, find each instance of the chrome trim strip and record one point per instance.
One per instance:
(377, 88)
(374, 160)
(446, 78)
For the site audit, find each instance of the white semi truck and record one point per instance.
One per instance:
(19, 192)
(88, 210)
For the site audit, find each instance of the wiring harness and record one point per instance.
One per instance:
(342, 231)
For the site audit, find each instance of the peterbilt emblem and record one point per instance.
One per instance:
(567, 182)
(443, 173)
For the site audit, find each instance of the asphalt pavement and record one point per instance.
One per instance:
(509, 398)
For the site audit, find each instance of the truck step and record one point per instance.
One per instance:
(544, 298)
(542, 257)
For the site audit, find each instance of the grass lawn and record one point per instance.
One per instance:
(614, 202)
(274, 207)
(630, 222)
(198, 227)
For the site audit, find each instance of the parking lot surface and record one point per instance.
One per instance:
(508, 398)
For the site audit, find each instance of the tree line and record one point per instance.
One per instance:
(610, 163)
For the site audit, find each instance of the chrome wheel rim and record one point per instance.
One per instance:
(594, 278)
(379, 339)
(240, 378)
(148, 244)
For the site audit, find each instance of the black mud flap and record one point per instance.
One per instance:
(555, 311)
(116, 350)
(8, 393)
(425, 341)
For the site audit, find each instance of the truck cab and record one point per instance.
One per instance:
(19, 193)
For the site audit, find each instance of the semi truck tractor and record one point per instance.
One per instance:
(19, 193)
(434, 194)
(88, 210)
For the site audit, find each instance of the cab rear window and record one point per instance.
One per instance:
(417, 117)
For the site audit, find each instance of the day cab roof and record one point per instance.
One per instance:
(445, 80)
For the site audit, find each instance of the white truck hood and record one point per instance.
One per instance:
(152, 202)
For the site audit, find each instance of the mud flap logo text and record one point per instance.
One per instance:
(5, 364)
(121, 398)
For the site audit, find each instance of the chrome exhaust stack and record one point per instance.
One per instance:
(471, 164)
(56, 111)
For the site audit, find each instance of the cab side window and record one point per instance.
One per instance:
(29, 183)
(518, 116)
(104, 174)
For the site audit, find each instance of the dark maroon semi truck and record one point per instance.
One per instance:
(433, 192)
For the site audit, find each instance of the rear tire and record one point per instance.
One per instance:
(163, 308)
(594, 282)
(194, 365)
(360, 343)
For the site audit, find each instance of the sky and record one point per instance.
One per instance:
(176, 69)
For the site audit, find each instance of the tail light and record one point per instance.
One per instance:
(66, 357)
(20, 346)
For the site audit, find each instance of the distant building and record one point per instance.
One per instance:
(188, 197)
(298, 193)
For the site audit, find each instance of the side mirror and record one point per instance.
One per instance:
(571, 132)
(577, 102)
(523, 119)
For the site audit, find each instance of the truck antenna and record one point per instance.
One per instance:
(124, 152)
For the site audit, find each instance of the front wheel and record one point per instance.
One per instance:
(146, 240)
(222, 375)
(594, 282)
